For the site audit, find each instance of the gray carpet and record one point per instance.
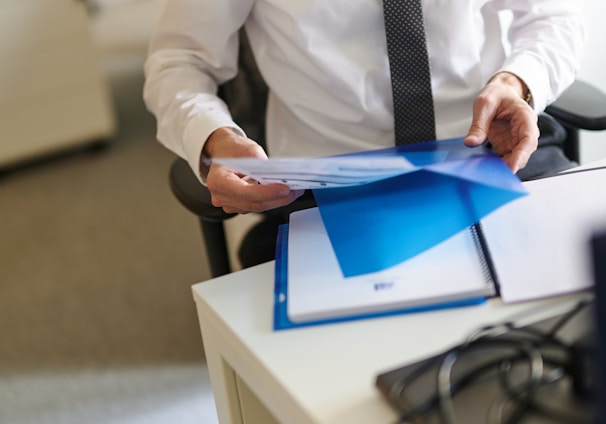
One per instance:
(97, 319)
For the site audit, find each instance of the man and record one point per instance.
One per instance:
(326, 66)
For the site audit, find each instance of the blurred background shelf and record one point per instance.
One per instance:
(53, 92)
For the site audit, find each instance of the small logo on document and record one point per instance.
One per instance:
(383, 286)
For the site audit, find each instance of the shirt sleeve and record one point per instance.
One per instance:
(193, 50)
(547, 39)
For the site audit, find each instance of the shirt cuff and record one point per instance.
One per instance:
(197, 131)
(530, 70)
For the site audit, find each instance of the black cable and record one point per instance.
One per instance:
(468, 378)
(539, 348)
(568, 316)
(554, 416)
(524, 394)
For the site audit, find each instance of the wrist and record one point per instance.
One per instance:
(214, 139)
(209, 146)
(515, 83)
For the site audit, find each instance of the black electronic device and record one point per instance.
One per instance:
(598, 248)
(502, 374)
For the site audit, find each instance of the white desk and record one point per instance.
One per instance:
(321, 374)
(595, 164)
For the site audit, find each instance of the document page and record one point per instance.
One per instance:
(450, 271)
(324, 172)
(539, 243)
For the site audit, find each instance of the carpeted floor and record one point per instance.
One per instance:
(97, 319)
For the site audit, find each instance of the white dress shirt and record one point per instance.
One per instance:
(327, 68)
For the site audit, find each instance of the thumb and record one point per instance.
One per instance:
(478, 131)
(476, 135)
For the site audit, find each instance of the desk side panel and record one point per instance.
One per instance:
(222, 377)
(235, 296)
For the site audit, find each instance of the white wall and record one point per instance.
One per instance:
(593, 70)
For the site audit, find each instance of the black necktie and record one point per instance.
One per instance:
(410, 74)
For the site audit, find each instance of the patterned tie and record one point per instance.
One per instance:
(410, 74)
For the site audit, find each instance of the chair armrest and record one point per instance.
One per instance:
(581, 106)
(193, 195)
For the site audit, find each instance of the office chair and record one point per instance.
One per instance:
(581, 107)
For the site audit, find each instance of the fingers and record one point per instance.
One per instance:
(262, 206)
(230, 190)
(520, 153)
(239, 195)
(517, 159)
(503, 117)
(522, 139)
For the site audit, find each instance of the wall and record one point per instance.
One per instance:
(593, 70)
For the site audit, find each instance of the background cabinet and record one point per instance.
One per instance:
(53, 95)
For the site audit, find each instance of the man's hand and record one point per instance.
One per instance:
(230, 190)
(501, 115)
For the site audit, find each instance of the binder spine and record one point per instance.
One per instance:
(487, 264)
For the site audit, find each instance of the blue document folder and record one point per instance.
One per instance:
(380, 224)
(345, 302)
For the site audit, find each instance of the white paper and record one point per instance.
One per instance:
(450, 271)
(540, 243)
(324, 172)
